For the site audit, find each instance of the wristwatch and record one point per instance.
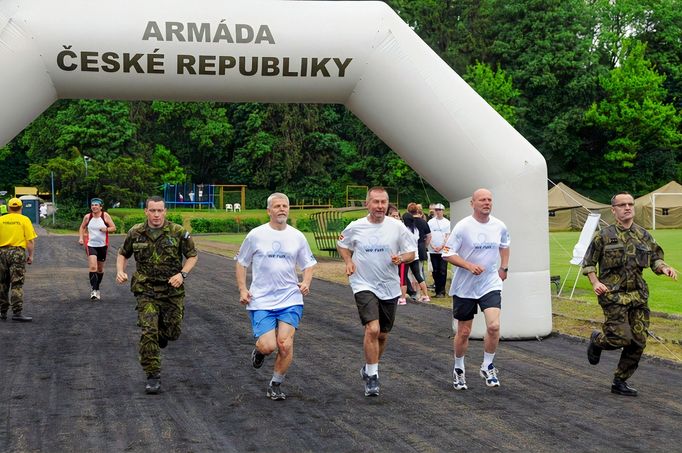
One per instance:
(506, 269)
(184, 274)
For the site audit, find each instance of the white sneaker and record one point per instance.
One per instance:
(97, 294)
(459, 381)
(93, 295)
(490, 376)
(402, 301)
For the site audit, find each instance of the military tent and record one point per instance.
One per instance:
(568, 209)
(666, 201)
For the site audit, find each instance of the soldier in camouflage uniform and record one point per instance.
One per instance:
(158, 283)
(16, 238)
(622, 251)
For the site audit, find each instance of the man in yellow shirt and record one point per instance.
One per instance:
(16, 238)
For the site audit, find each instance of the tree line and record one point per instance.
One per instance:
(594, 85)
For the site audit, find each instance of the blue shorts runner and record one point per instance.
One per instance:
(263, 321)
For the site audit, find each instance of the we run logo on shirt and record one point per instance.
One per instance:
(375, 247)
(276, 251)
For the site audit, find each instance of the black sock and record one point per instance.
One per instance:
(93, 280)
(100, 276)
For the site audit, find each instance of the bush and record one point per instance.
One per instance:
(235, 225)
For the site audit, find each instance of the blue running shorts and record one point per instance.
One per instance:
(263, 321)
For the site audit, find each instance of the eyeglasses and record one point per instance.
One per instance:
(622, 205)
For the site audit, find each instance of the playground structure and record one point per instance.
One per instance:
(211, 196)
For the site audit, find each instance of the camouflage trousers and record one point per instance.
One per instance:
(626, 322)
(12, 270)
(158, 315)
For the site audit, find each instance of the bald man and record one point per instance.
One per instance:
(479, 248)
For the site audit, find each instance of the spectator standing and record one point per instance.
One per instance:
(16, 240)
(440, 231)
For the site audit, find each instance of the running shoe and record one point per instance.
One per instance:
(153, 385)
(402, 301)
(93, 295)
(459, 381)
(257, 358)
(490, 376)
(98, 296)
(424, 299)
(365, 376)
(372, 385)
(275, 393)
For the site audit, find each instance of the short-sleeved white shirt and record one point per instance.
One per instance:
(478, 243)
(440, 228)
(274, 255)
(373, 245)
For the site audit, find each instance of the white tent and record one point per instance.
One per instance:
(665, 202)
(569, 210)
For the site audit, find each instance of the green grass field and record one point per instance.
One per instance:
(664, 292)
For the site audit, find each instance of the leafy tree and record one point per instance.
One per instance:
(545, 46)
(495, 87)
(640, 132)
(124, 179)
(99, 129)
(13, 167)
(167, 166)
(198, 133)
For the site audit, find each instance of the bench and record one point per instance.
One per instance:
(327, 226)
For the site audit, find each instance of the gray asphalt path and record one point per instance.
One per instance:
(71, 381)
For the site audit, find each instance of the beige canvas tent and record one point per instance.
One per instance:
(667, 201)
(568, 209)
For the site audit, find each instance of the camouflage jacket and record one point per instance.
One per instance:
(158, 258)
(622, 254)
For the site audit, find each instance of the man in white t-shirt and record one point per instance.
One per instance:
(440, 230)
(275, 298)
(371, 248)
(476, 245)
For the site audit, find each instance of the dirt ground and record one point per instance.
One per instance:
(71, 381)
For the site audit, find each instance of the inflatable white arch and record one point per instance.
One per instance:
(360, 54)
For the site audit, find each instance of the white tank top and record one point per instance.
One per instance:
(96, 238)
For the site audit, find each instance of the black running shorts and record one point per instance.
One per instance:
(371, 308)
(464, 309)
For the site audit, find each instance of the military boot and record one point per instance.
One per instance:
(593, 351)
(620, 387)
(21, 318)
(153, 384)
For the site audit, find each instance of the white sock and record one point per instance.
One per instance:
(371, 369)
(459, 363)
(276, 377)
(488, 358)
